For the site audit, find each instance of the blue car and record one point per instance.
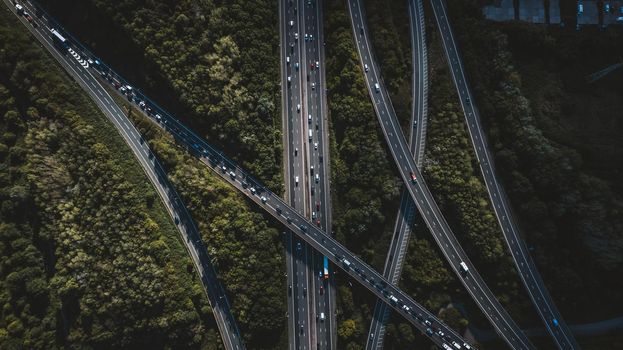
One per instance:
(555, 322)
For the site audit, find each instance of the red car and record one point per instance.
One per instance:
(318, 222)
(413, 179)
(318, 205)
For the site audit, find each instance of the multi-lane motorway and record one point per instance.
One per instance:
(314, 112)
(530, 277)
(311, 295)
(426, 322)
(419, 192)
(298, 254)
(188, 230)
(417, 140)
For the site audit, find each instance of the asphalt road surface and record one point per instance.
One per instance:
(530, 277)
(417, 141)
(154, 171)
(298, 254)
(316, 126)
(416, 185)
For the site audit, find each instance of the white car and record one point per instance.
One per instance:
(296, 36)
(288, 59)
(298, 107)
(316, 145)
(366, 68)
(296, 180)
(313, 86)
(291, 24)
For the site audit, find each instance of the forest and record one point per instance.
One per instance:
(89, 257)
(244, 245)
(213, 64)
(557, 145)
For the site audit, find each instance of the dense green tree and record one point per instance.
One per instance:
(83, 262)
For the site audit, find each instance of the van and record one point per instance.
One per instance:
(311, 134)
(464, 267)
(377, 87)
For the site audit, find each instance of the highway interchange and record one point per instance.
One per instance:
(290, 218)
(156, 174)
(417, 139)
(530, 277)
(307, 230)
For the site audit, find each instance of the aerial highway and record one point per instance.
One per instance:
(417, 140)
(421, 195)
(298, 254)
(272, 204)
(530, 277)
(184, 223)
(315, 126)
